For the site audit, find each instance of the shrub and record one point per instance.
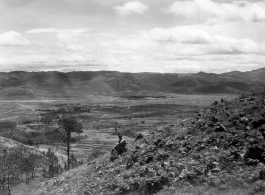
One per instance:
(95, 153)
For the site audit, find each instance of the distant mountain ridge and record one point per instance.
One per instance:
(31, 85)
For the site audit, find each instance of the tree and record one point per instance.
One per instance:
(52, 166)
(70, 125)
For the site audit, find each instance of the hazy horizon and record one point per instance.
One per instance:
(124, 71)
(170, 36)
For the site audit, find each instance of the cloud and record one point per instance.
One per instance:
(67, 38)
(130, 7)
(16, 3)
(209, 10)
(179, 49)
(75, 47)
(191, 41)
(13, 38)
(56, 30)
(180, 35)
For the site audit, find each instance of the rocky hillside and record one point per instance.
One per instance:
(221, 150)
(40, 85)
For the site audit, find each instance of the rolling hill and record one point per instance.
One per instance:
(39, 85)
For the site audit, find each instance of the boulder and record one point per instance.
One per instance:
(220, 128)
(258, 122)
(162, 156)
(262, 174)
(254, 153)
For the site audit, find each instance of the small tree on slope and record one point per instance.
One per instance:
(70, 125)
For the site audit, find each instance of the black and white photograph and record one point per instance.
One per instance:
(132, 97)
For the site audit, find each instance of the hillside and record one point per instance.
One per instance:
(41, 85)
(6, 144)
(220, 150)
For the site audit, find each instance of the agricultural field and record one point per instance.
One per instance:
(103, 117)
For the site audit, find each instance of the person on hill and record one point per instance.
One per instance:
(120, 138)
(120, 147)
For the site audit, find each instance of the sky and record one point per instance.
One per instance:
(167, 36)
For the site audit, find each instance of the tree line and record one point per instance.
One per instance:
(20, 165)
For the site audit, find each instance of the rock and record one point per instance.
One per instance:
(215, 148)
(235, 155)
(262, 174)
(153, 185)
(187, 175)
(169, 144)
(250, 161)
(213, 167)
(157, 141)
(216, 170)
(234, 142)
(259, 122)
(183, 173)
(254, 153)
(149, 159)
(214, 119)
(220, 128)
(171, 174)
(162, 156)
(262, 130)
(180, 166)
(201, 147)
(139, 137)
(97, 168)
(244, 120)
(248, 128)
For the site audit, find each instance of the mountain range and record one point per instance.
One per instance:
(39, 85)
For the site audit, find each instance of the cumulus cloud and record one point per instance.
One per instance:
(130, 7)
(56, 30)
(70, 41)
(13, 38)
(190, 41)
(75, 47)
(180, 49)
(180, 35)
(67, 38)
(208, 10)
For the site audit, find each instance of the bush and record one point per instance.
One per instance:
(95, 153)
(258, 188)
